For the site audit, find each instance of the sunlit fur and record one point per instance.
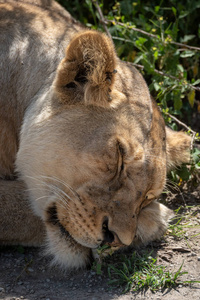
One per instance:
(80, 130)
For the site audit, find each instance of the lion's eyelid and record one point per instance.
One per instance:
(121, 153)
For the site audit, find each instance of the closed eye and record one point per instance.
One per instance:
(119, 167)
(121, 152)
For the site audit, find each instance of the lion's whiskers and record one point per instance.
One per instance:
(64, 183)
(56, 190)
(39, 198)
(173, 185)
(61, 195)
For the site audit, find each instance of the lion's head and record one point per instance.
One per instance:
(93, 153)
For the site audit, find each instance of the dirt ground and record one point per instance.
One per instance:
(28, 275)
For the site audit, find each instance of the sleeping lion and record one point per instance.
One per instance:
(84, 150)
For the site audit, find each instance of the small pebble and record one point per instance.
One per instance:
(191, 254)
(30, 270)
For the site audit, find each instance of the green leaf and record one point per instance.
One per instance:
(156, 86)
(98, 269)
(177, 100)
(184, 173)
(187, 38)
(155, 55)
(183, 14)
(138, 58)
(156, 9)
(191, 97)
(196, 82)
(141, 41)
(174, 10)
(187, 53)
(196, 155)
(180, 68)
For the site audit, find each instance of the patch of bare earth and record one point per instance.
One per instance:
(28, 275)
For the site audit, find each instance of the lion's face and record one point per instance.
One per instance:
(93, 154)
(107, 175)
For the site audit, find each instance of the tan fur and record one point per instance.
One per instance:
(154, 216)
(178, 144)
(18, 224)
(80, 130)
(91, 53)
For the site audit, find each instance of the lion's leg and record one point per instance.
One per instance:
(18, 225)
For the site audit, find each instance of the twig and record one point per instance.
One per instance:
(179, 122)
(137, 66)
(106, 21)
(186, 46)
(102, 19)
(176, 78)
(122, 39)
(166, 75)
(133, 28)
(156, 71)
(193, 87)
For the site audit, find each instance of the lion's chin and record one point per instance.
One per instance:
(64, 250)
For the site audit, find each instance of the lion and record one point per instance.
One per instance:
(84, 150)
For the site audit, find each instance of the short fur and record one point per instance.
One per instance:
(83, 148)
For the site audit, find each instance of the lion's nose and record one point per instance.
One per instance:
(108, 236)
(119, 231)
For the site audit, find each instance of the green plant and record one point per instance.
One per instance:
(181, 223)
(140, 271)
(99, 255)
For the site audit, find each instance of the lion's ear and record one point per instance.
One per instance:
(178, 148)
(87, 71)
